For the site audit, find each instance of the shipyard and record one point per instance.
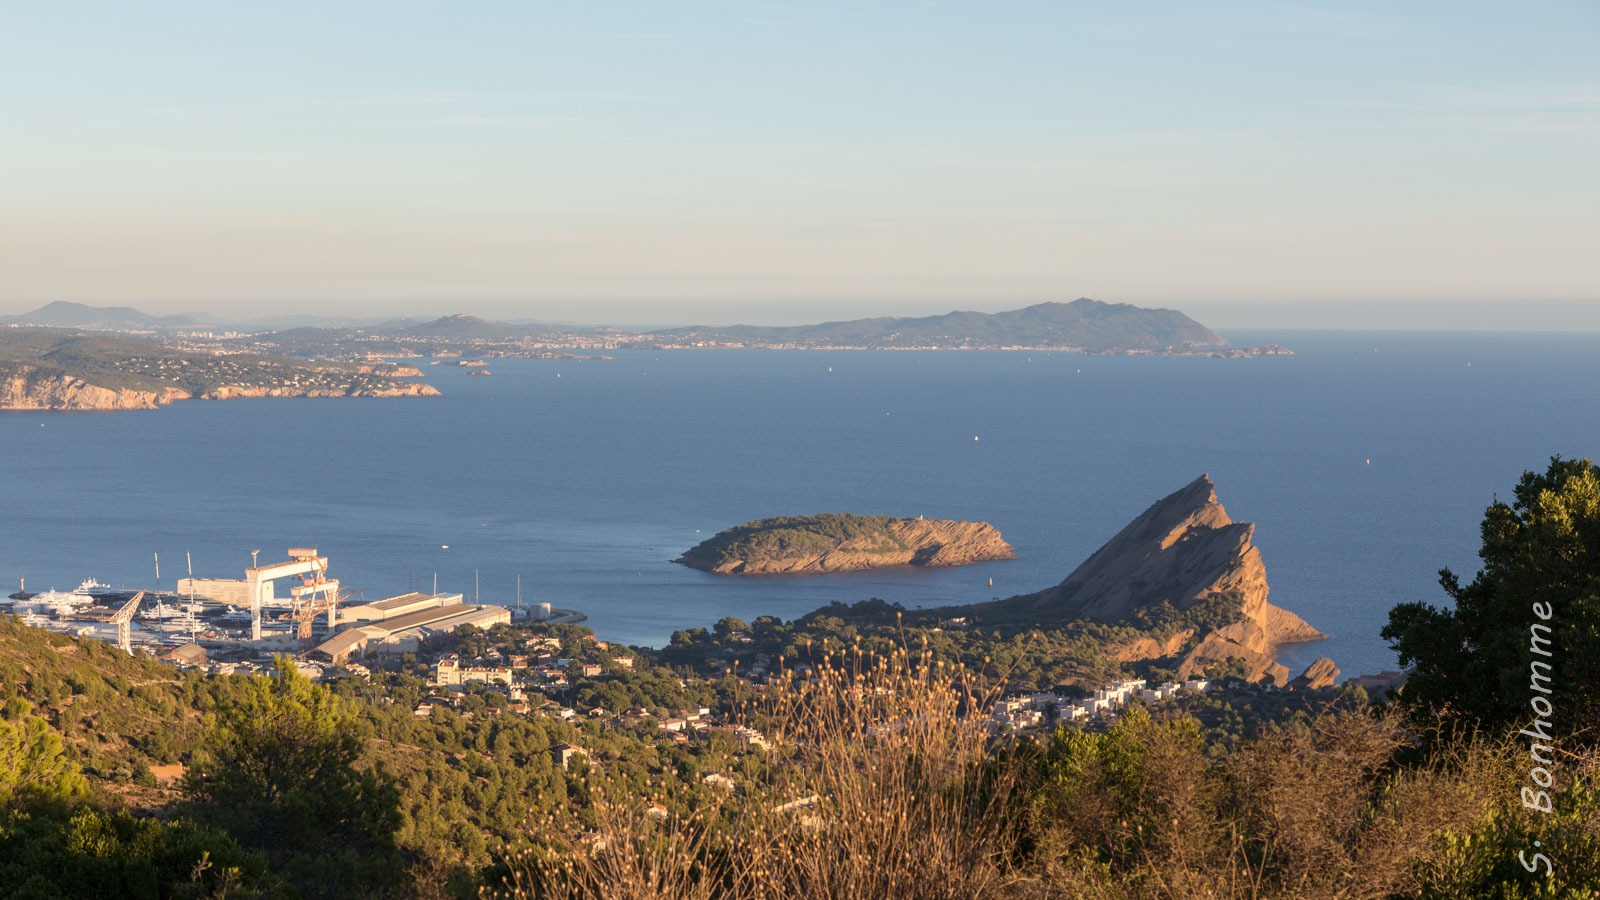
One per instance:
(227, 626)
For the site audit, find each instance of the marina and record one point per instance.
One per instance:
(232, 621)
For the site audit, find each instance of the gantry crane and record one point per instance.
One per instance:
(303, 561)
(123, 619)
(307, 602)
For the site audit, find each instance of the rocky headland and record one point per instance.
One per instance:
(50, 368)
(26, 387)
(1182, 555)
(29, 387)
(841, 543)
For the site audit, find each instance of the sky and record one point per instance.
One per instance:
(1360, 164)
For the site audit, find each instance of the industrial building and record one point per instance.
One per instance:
(394, 607)
(190, 654)
(400, 624)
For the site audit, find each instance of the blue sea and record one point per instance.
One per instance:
(1365, 460)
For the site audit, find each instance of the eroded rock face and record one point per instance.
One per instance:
(28, 387)
(928, 542)
(1320, 674)
(1183, 550)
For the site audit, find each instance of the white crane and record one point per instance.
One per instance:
(123, 619)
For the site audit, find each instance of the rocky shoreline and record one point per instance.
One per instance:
(27, 387)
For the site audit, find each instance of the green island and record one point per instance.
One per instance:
(46, 368)
(838, 542)
(785, 536)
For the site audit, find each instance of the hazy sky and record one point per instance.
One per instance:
(1273, 164)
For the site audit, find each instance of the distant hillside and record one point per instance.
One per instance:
(62, 314)
(464, 328)
(1082, 324)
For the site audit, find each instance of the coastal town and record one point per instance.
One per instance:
(473, 660)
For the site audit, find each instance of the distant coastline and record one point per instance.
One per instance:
(67, 356)
(1081, 326)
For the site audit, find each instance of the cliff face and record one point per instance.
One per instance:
(28, 387)
(25, 386)
(898, 542)
(1183, 550)
(1322, 673)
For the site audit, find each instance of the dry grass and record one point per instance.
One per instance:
(876, 784)
(905, 797)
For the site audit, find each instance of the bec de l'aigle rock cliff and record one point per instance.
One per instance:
(1183, 550)
(844, 543)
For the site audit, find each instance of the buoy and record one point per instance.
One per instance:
(444, 546)
(1369, 460)
(974, 437)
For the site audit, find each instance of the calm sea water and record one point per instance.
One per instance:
(586, 477)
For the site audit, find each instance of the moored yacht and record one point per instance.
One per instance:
(102, 592)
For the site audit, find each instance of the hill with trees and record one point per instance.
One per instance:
(841, 542)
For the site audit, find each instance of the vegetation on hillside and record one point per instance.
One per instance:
(121, 363)
(789, 537)
(884, 785)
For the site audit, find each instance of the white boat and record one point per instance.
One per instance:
(164, 612)
(56, 603)
(105, 593)
(180, 624)
(98, 591)
(235, 614)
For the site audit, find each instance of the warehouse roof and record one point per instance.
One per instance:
(389, 603)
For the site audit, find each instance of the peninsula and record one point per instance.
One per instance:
(60, 369)
(829, 542)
